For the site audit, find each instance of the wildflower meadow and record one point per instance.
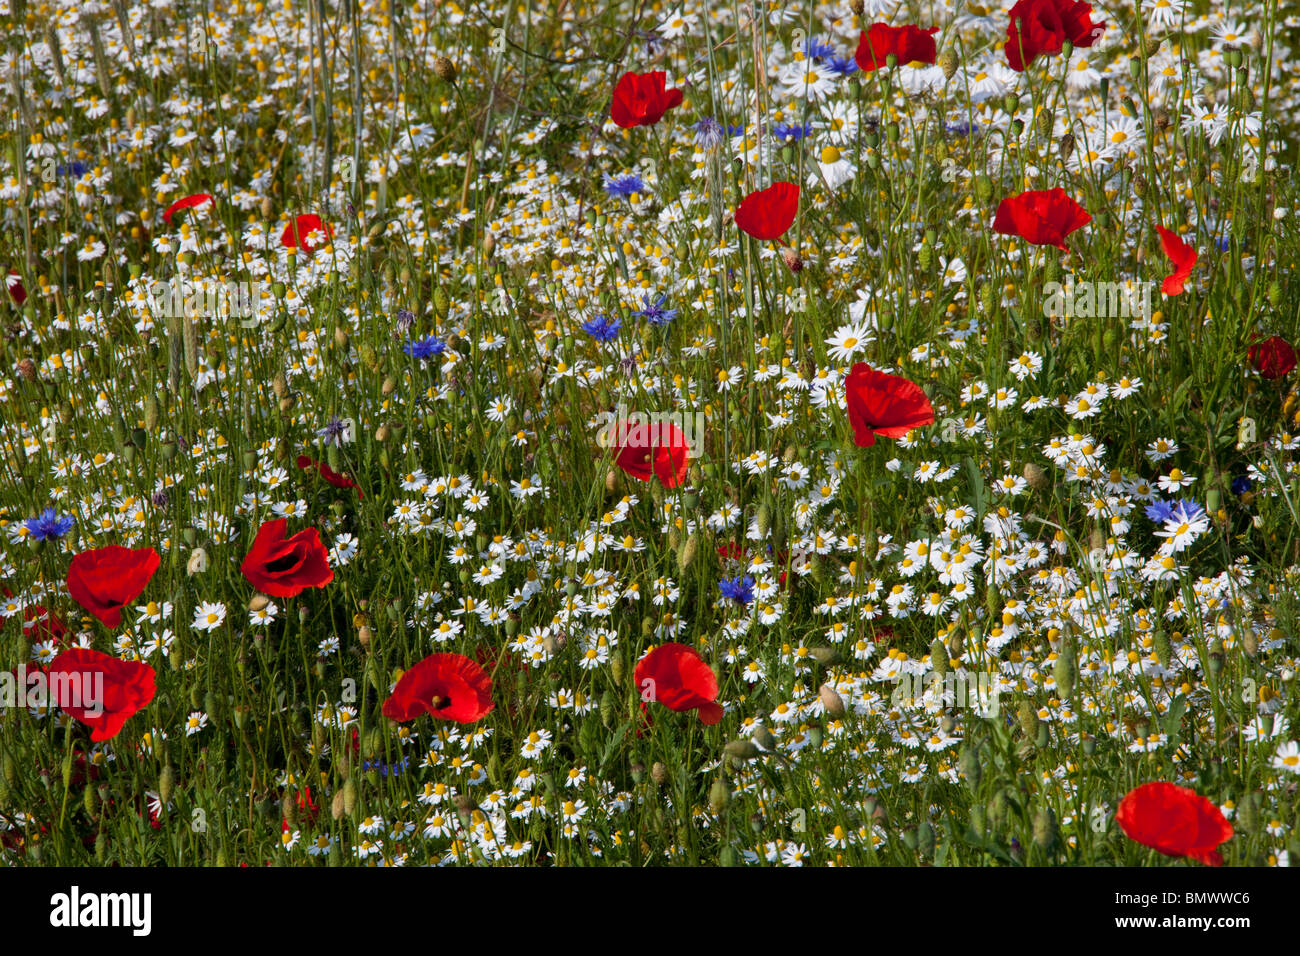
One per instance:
(641, 434)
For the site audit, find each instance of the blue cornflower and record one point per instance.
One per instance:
(624, 185)
(1241, 484)
(1159, 511)
(75, 169)
(654, 312)
(792, 131)
(1223, 242)
(708, 132)
(817, 49)
(334, 431)
(603, 328)
(843, 65)
(48, 526)
(386, 768)
(738, 589)
(962, 128)
(425, 348)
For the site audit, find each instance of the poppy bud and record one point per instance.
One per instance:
(924, 257)
(166, 781)
(1066, 670)
(617, 669)
(349, 794)
(27, 369)
(791, 259)
(1027, 715)
(969, 764)
(983, 187)
(1046, 831)
(1066, 146)
(444, 69)
(688, 551)
(923, 839)
(939, 657)
(1035, 476)
(856, 7)
(824, 655)
(763, 737)
(198, 562)
(1043, 122)
(1164, 651)
(743, 749)
(719, 795)
(947, 61)
(831, 701)
(638, 773)
(658, 772)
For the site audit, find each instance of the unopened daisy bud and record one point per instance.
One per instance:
(444, 69)
(832, 702)
(166, 781)
(791, 259)
(658, 772)
(947, 61)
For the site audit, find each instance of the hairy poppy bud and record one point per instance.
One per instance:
(658, 772)
(1035, 476)
(831, 701)
(947, 61)
(444, 69)
(791, 259)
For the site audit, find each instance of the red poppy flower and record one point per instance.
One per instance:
(329, 474)
(103, 581)
(884, 404)
(768, 213)
(1041, 27)
(284, 567)
(1174, 820)
(99, 690)
(1183, 257)
(189, 202)
(446, 686)
(1272, 358)
(17, 291)
(643, 449)
(907, 43)
(1041, 216)
(640, 99)
(295, 234)
(677, 677)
